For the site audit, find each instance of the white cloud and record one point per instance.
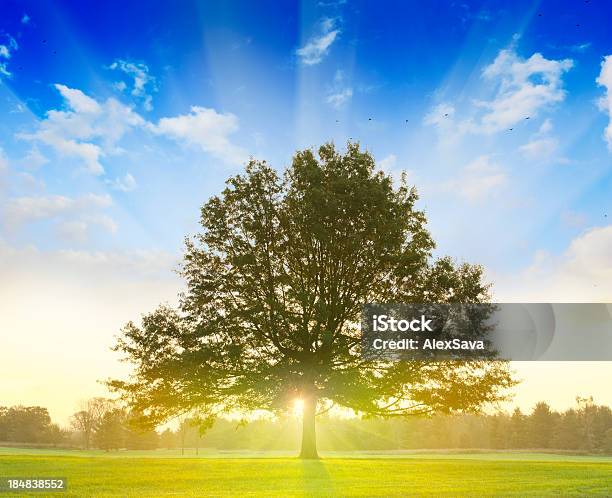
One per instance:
(542, 147)
(524, 88)
(605, 79)
(582, 273)
(125, 184)
(339, 98)
(142, 81)
(120, 85)
(478, 179)
(388, 163)
(73, 231)
(78, 231)
(318, 45)
(339, 93)
(87, 130)
(90, 129)
(34, 159)
(6, 52)
(23, 209)
(26, 182)
(591, 254)
(207, 129)
(78, 101)
(442, 117)
(20, 210)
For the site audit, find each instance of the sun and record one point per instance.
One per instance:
(298, 407)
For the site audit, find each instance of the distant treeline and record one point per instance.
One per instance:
(100, 424)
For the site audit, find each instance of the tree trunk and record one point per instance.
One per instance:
(309, 435)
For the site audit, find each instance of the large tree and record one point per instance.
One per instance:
(275, 282)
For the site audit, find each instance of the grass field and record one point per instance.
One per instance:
(157, 473)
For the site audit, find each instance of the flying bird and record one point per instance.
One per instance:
(369, 119)
(511, 129)
(446, 115)
(527, 117)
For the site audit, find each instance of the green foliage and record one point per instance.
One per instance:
(28, 424)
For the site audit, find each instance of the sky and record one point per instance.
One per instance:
(118, 122)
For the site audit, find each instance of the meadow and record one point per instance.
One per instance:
(167, 473)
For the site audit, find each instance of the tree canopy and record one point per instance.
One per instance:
(275, 282)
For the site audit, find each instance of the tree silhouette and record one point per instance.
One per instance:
(275, 284)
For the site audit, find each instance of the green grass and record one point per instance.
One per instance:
(160, 473)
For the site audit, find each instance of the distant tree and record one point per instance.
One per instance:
(27, 424)
(86, 420)
(4, 423)
(602, 422)
(377, 433)
(498, 431)
(568, 431)
(168, 439)
(518, 429)
(138, 437)
(540, 426)
(110, 432)
(607, 442)
(56, 435)
(586, 413)
(275, 284)
(594, 420)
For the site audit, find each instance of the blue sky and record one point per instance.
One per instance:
(119, 120)
(271, 78)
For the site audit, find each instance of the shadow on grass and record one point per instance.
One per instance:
(315, 478)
